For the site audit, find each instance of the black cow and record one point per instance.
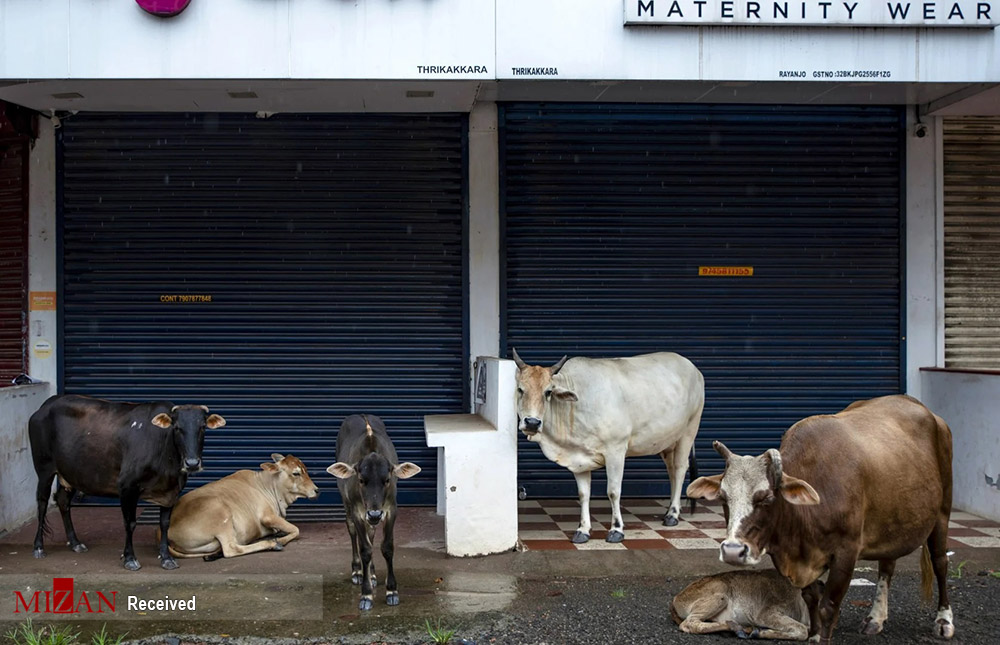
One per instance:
(366, 470)
(131, 451)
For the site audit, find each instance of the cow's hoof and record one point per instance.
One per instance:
(278, 546)
(870, 627)
(38, 553)
(615, 536)
(669, 520)
(944, 629)
(365, 604)
(580, 538)
(374, 582)
(79, 547)
(132, 564)
(169, 564)
(392, 598)
(355, 578)
(743, 632)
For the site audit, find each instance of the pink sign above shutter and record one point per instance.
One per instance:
(164, 8)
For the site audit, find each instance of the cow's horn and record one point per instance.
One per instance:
(204, 407)
(722, 450)
(558, 366)
(517, 360)
(774, 469)
(174, 409)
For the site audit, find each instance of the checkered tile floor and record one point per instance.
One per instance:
(549, 524)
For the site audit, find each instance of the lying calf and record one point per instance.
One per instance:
(753, 604)
(229, 517)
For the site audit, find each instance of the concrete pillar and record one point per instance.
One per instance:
(484, 235)
(42, 257)
(924, 270)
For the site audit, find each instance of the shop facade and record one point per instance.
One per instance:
(295, 211)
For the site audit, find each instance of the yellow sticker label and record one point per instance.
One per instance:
(42, 301)
(186, 298)
(726, 271)
(41, 348)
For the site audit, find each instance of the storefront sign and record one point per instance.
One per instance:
(42, 301)
(726, 271)
(814, 13)
(163, 8)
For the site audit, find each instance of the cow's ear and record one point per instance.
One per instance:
(267, 466)
(705, 487)
(798, 491)
(215, 421)
(565, 395)
(162, 420)
(340, 470)
(406, 470)
(277, 457)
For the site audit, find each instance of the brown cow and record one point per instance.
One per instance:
(872, 482)
(752, 604)
(231, 516)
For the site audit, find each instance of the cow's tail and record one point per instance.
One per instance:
(693, 472)
(926, 575)
(674, 614)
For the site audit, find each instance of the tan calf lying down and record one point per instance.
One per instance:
(758, 604)
(229, 517)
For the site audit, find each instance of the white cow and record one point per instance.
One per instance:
(586, 413)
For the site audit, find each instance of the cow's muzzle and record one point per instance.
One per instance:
(734, 553)
(374, 517)
(532, 426)
(192, 465)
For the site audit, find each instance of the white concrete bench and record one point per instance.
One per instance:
(477, 466)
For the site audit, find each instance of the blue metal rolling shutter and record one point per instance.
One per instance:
(610, 210)
(331, 248)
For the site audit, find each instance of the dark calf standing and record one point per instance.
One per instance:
(131, 451)
(366, 470)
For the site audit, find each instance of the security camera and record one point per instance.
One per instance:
(920, 131)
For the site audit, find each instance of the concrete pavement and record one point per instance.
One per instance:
(304, 591)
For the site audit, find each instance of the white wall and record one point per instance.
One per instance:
(17, 474)
(384, 39)
(392, 39)
(586, 39)
(970, 404)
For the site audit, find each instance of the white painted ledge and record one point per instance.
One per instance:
(477, 467)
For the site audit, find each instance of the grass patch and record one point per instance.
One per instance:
(27, 634)
(438, 633)
(956, 572)
(618, 593)
(104, 638)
